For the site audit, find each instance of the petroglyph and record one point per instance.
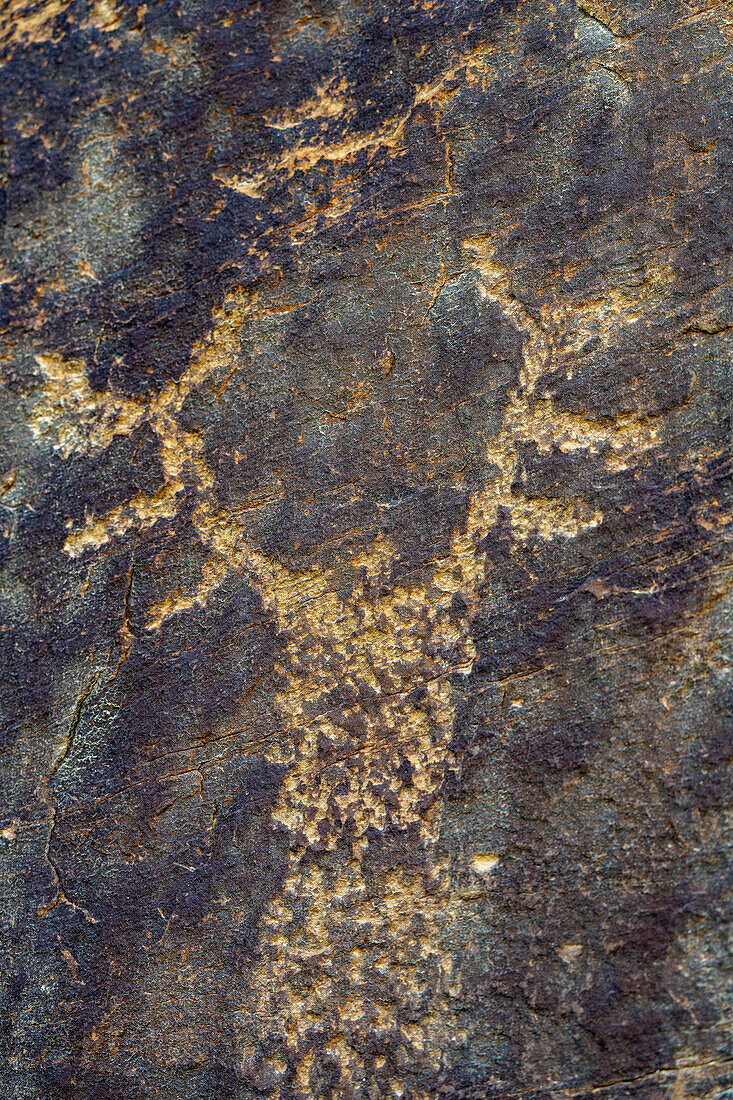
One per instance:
(365, 542)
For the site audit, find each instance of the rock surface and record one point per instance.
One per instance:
(366, 683)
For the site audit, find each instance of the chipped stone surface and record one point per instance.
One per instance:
(365, 488)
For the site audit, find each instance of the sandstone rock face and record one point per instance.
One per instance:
(366, 630)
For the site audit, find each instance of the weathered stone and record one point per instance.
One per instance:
(366, 512)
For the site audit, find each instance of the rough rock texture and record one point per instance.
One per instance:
(366, 631)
